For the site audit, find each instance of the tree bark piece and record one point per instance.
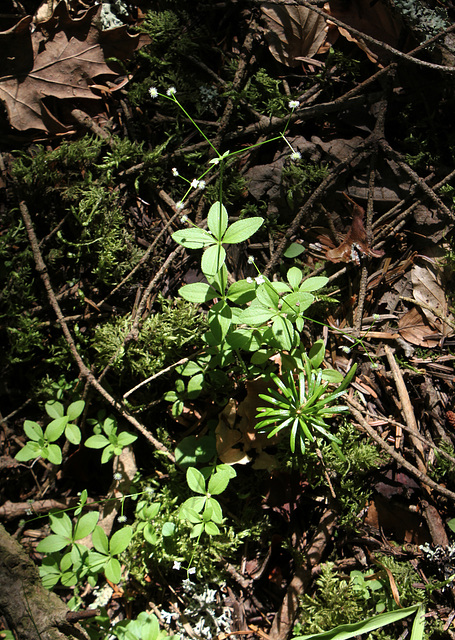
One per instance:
(32, 612)
(285, 617)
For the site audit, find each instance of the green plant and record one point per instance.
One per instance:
(144, 627)
(112, 442)
(42, 443)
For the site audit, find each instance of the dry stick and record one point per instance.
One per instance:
(406, 407)
(367, 38)
(356, 410)
(84, 370)
(286, 615)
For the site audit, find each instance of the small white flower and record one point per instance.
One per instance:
(175, 172)
(376, 316)
(249, 280)
(183, 219)
(117, 476)
(260, 279)
(201, 184)
(250, 259)
(294, 104)
(214, 161)
(195, 183)
(179, 206)
(177, 565)
(171, 91)
(122, 518)
(296, 155)
(345, 349)
(192, 570)
(153, 91)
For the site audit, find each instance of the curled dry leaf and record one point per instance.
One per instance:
(414, 328)
(428, 289)
(355, 241)
(61, 59)
(294, 33)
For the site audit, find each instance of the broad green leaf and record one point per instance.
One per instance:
(192, 450)
(75, 409)
(218, 482)
(190, 515)
(346, 631)
(53, 453)
(150, 629)
(197, 530)
(96, 442)
(73, 433)
(297, 302)
(96, 561)
(213, 259)
(120, 540)
(331, 375)
(190, 368)
(193, 238)
(256, 314)
(52, 543)
(241, 292)
(195, 385)
(195, 480)
(61, 524)
(314, 284)
(54, 409)
(217, 513)
(100, 540)
(267, 295)
(33, 430)
(168, 530)
(219, 281)
(293, 250)
(219, 320)
(284, 332)
(110, 426)
(85, 525)
(316, 354)
(240, 339)
(197, 292)
(242, 230)
(113, 570)
(31, 451)
(125, 438)
(294, 276)
(150, 534)
(217, 220)
(55, 429)
(211, 528)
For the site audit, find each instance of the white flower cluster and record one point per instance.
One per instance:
(198, 184)
(294, 104)
(296, 156)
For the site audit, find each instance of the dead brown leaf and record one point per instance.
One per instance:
(427, 288)
(414, 328)
(60, 59)
(293, 33)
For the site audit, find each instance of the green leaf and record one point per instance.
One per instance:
(125, 438)
(193, 238)
(75, 409)
(418, 626)
(73, 433)
(33, 430)
(120, 540)
(197, 530)
(217, 512)
(256, 314)
(219, 320)
(197, 292)
(218, 482)
(113, 570)
(213, 259)
(316, 354)
(451, 524)
(293, 250)
(331, 375)
(217, 220)
(294, 277)
(54, 409)
(211, 528)
(241, 292)
(53, 453)
(110, 426)
(55, 429)
(314, 284)
(192, 450)
(31, 451)
(61, 524)
(96, 442)
(267, 296)
(242, 230)
(150, 629)
(85, 525)
(297, 302)
(100, 540)
(346, 631)
(195, 480)
(195, 385)
(52, 543)
(168, 530)
(284, 332)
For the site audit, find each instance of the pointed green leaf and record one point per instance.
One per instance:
(31, 451)
(73, 433)
(211, 528)
(61, 524)
(96, 442)
(54, 409)
(267, 296)
(198, 292)
(242, 230)
(55, 429)
(293, 250)
(52, 543)
(195, 480)
(193, 238)
(75, 409)
(113, 570)
(100, 540)
(294, 276)
(217, 220)
(120, 540)
(33, 430)
(284, 332)
(213, 259)
(314, 284)
(86, 525)
(241, 292)
(218, 482)
(53, 453)
(256, 314)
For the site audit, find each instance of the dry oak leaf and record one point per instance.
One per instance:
(414, 328)
(428, 288)
(60, 59)
(294, 34)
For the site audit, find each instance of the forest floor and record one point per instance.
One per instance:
(344, 141)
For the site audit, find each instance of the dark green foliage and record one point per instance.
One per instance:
(299, 179)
